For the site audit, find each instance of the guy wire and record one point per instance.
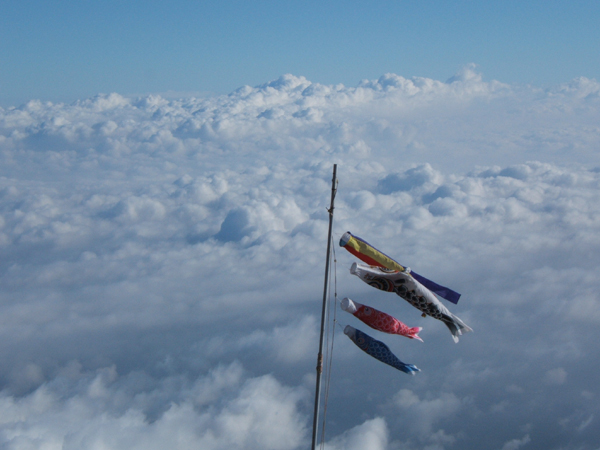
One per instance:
(329, 357)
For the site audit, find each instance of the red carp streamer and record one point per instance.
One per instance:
(379, 320)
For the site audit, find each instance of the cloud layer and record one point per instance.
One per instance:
(161, 265)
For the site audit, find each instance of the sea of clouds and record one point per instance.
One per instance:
(161, 266)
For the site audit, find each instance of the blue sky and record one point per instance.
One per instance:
(65, 50)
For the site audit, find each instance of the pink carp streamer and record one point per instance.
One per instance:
(379, 320)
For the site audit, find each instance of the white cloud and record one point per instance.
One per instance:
(556, 376)
(167, 239)
(371, 435)
(585, 423)
(515, 444)
(423, 414)
(290, 344)
(108, 412)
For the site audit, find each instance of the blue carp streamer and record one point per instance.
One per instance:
(378, 350)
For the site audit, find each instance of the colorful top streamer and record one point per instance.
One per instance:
(378, 350)
(370, 255)
(379, 320)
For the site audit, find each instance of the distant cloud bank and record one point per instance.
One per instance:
(161, 265)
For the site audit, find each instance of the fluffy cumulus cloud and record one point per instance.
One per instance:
(516, 443)
(104, 410)
(161, 265)
(370, 435)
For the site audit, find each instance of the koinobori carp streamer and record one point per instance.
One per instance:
(378, 350)
(379, 320)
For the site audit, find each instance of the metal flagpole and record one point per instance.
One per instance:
(320, 356)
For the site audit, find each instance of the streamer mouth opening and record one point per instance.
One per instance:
(345, 239)
(348, 305)
(349, 331)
